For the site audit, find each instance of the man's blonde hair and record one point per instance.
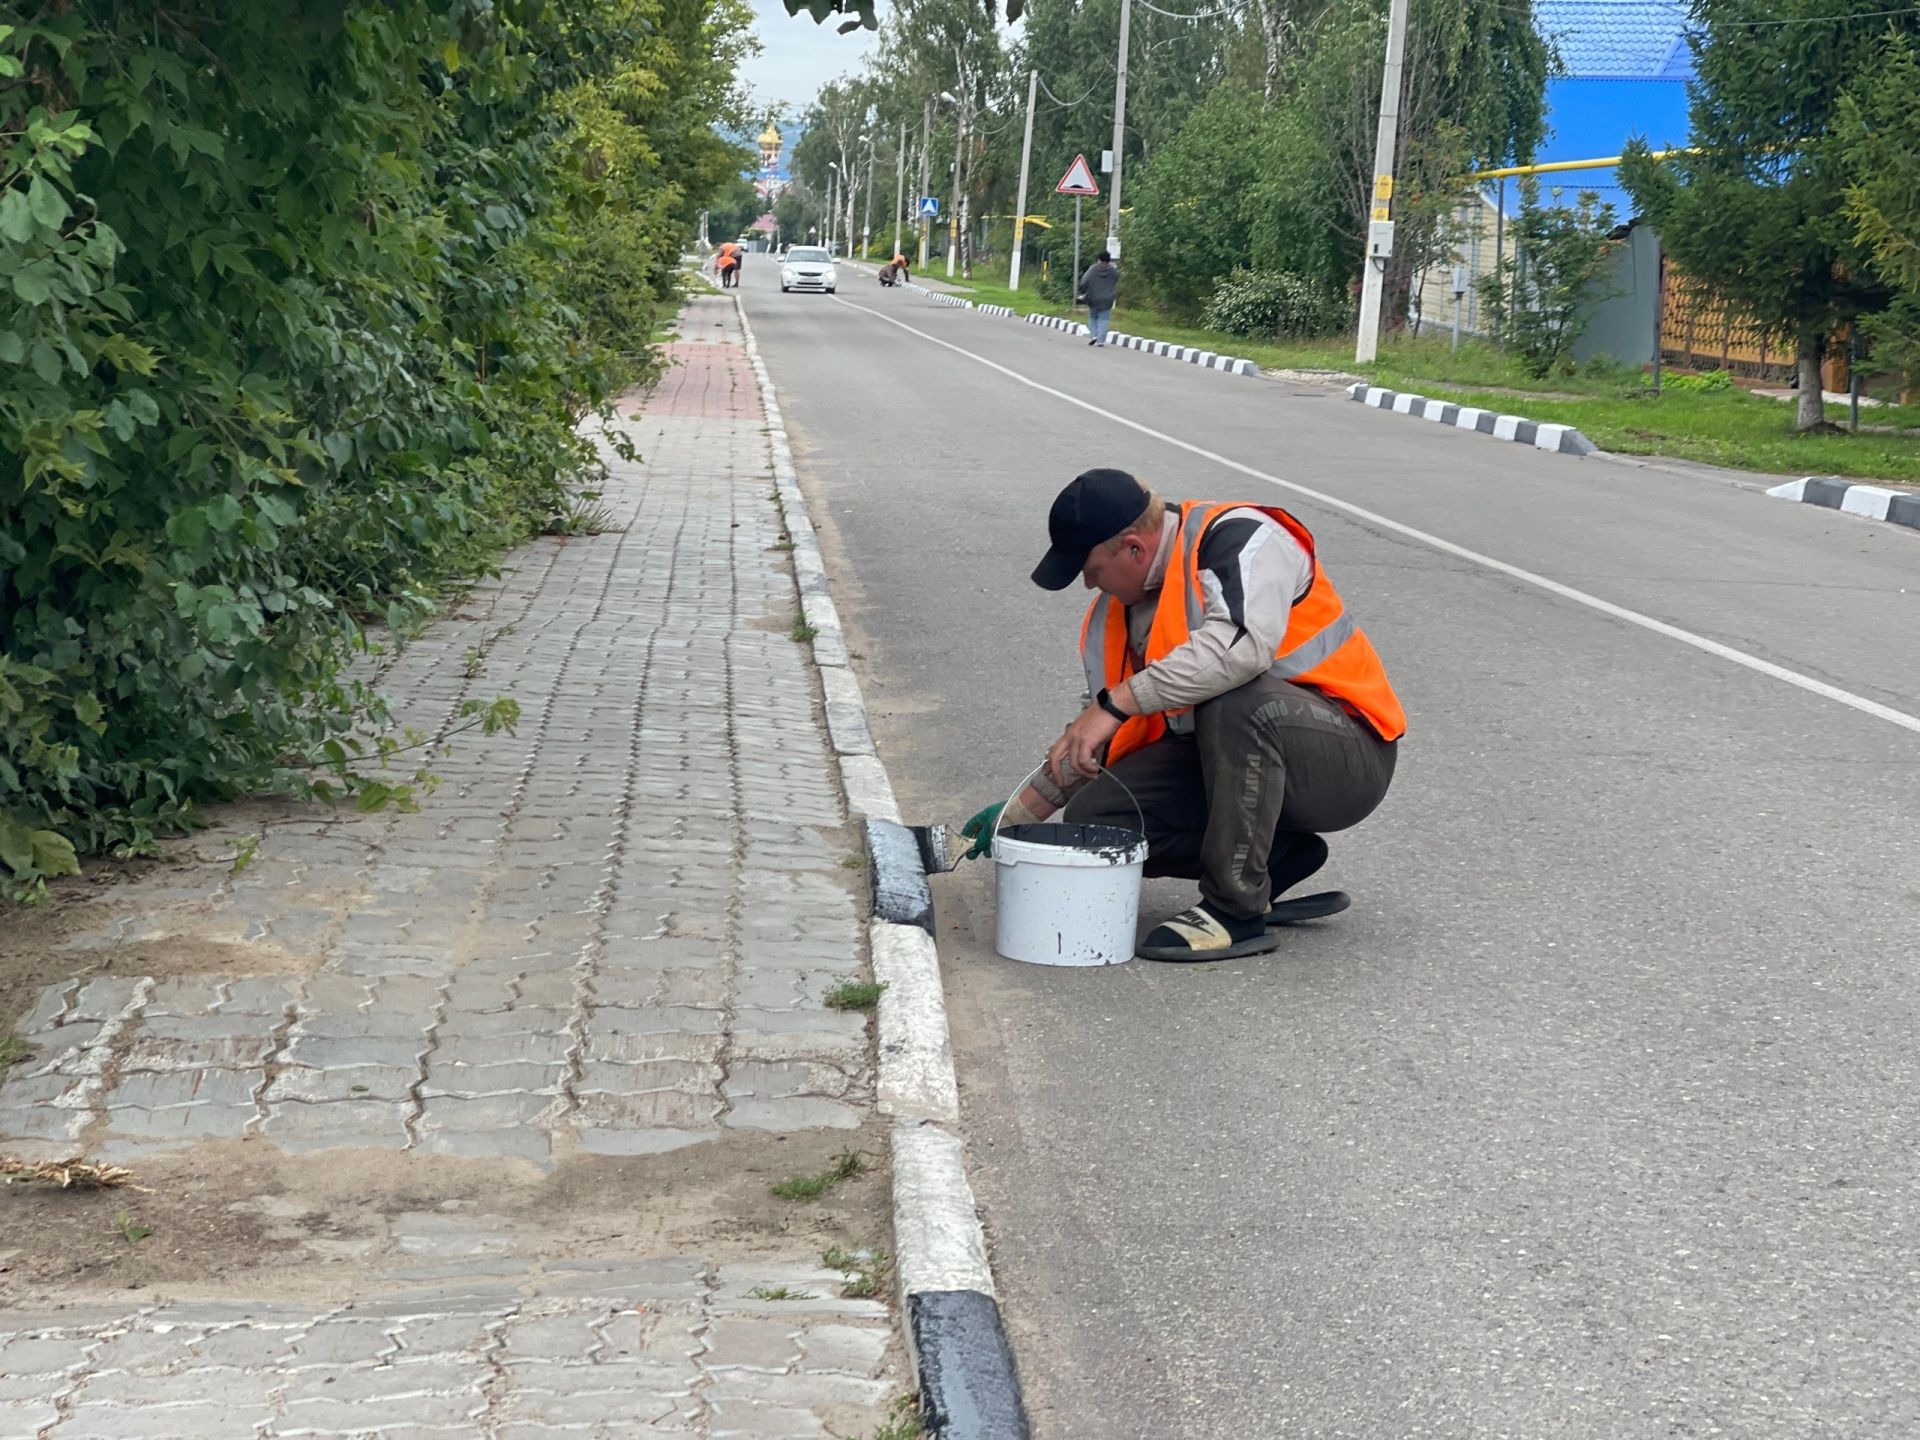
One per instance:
(1147, 524)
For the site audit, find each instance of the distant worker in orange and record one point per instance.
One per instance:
(727, 261)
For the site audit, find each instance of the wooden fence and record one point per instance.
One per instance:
(1700, 331)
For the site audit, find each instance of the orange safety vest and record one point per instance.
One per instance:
(729, 254)
(1323, 649)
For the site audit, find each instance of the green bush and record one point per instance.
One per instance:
(1706, 382)
(295, 329)
(1263, 303)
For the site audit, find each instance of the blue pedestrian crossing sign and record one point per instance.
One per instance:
(930, 205)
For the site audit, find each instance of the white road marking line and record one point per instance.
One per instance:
(1554, 587)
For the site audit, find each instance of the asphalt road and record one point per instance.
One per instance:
(1595, 1116)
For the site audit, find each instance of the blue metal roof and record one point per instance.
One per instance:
(1626, 63)
(1617, 39)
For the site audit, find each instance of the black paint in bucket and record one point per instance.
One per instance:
(1111, 843)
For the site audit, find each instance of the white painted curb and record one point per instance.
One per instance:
(941, 1248)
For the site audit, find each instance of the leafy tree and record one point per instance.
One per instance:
(1756, 211)
(300, 306)
(1197, 205)
(1545, 290)
(1475, 84)
(736, 207)
(1879, 136)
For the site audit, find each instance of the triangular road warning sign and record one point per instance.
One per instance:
(1078, 180)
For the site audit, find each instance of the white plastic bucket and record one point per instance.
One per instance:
(1067, 894)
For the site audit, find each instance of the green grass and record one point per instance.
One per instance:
(12, 1051)
(802, 632)
(902, 1424)
(855, 995)
(1610, 404)
(846, 1165)
(778, 1292)
(1729, 428)
(861, 1273)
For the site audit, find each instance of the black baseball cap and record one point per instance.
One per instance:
(1093, 509)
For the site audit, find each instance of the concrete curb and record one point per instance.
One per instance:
(1230, 364)
(1054, 322)
(1561, 439)
(957, 1343)
(1872, 502)
(953, 300)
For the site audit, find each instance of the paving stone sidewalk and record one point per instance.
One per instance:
(606, 937)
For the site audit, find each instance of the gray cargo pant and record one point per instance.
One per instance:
(1266, 764)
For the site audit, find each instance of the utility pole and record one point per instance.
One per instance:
(833, 201)
(866, 209)
(953, 211)
(1120, 125)
(1020, 209)
(1366, 346)
(926, 141)
(900, 192)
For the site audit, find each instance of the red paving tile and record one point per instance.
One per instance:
(707, 379)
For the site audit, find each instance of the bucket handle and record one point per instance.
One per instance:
(997, 820)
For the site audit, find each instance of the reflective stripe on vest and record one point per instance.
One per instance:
(1316, 649)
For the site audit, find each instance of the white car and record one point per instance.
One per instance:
(807, 267)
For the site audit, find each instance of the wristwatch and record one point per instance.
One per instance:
(1105, 701)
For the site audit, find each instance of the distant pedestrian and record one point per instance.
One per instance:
(900, 265)
(1096, 292)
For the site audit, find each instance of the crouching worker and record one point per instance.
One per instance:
(1233, 695)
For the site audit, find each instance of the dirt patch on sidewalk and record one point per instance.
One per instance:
(239, 1218)
(174, 918)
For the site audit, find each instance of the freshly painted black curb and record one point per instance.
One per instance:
(968, 1387)
(1901, 510)
(1825, 492)
(900, 890)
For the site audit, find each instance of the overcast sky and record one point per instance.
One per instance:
(797, 56)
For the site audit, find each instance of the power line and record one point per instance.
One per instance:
(1177, 15)
(1067, 104)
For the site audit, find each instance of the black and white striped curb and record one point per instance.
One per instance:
(1005, 310)
(1875, 502)
(1191, 355)
(1562, 439)
(1208, 359)
(957, 1343)
(1054, 322)
(953, 300)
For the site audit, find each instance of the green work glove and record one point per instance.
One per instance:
(980, 830)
